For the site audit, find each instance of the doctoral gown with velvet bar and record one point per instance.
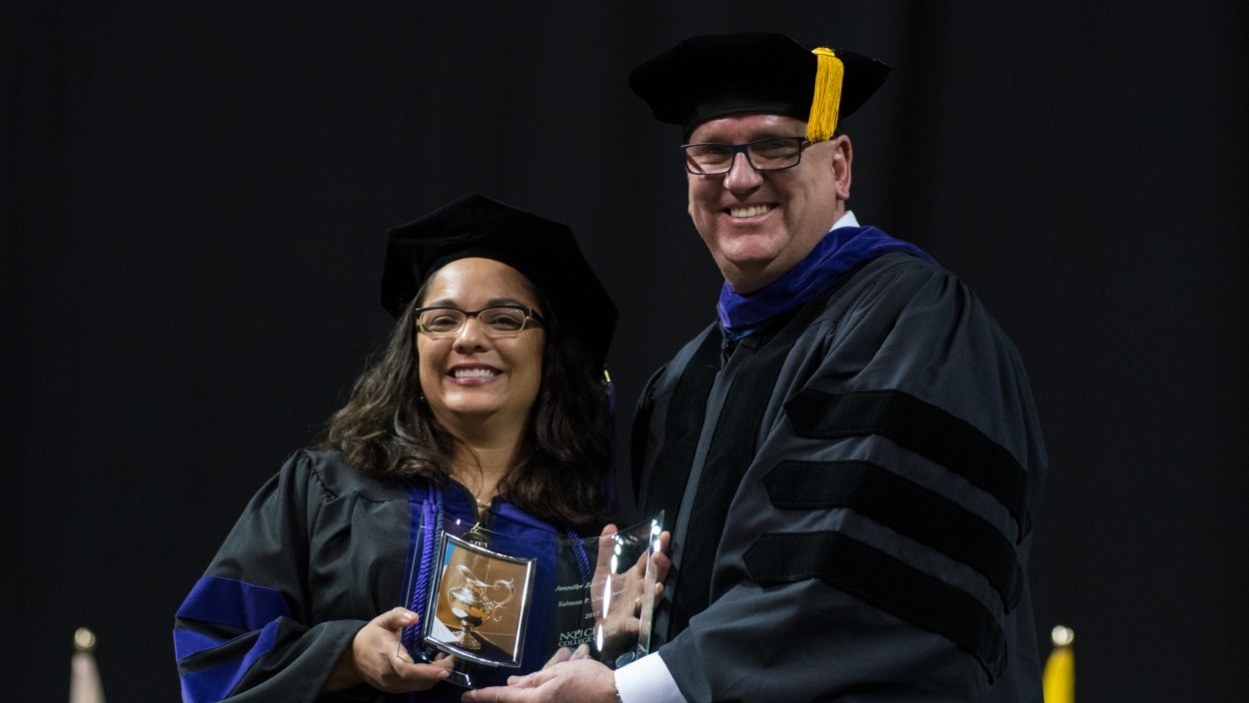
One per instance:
(320, 551)
(853, 488)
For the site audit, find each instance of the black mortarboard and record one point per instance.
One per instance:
(544, 251)
(716, 75)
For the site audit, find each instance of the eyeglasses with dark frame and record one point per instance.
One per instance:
(771, 154)
(497, 321)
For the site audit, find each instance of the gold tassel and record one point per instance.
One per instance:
(826, 102)
(1059, 679)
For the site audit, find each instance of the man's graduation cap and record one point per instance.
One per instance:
(543, 250)
(712, 76)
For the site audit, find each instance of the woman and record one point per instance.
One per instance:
(486, 416)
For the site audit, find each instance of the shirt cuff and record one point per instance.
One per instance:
(647, 680)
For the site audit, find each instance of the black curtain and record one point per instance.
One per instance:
(195, 197)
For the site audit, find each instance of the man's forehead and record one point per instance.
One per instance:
(748, 126)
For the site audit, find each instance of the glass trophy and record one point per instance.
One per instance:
(504, 605)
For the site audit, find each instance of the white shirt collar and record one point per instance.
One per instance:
(846, 220)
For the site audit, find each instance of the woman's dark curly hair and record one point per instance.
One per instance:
(562, 468)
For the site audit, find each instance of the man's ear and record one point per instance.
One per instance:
(843, 157)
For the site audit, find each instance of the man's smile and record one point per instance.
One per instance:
(749, 210)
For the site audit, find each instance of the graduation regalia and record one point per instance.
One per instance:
(852, 485)
(318, 552)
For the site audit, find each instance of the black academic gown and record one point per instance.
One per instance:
(852, 492)
(318, 552)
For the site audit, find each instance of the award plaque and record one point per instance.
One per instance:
(479, 603)
(504, 605)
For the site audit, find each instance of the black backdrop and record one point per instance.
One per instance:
(194, 202)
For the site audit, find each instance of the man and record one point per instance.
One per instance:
(851, 453)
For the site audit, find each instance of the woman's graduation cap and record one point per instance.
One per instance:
(543, 250)
(712, 76)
